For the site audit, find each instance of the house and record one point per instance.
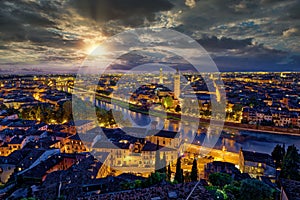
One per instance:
(119, 152)
(137, 157)
(17, 161)
(257, 164)
(165, 138)
(69, 144)
(14, 143)
(224, 167)
(82, 126)
(148, 154)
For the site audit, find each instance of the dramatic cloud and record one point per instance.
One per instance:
(290, 32)
(130, 12)
(263, 34)
(213, 43)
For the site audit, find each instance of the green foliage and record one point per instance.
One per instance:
(67, 111)
(220, 195)
(278, 154)
(255, 189)
(153, 179)
(194, 173)
(169, 172)
(3, 107)
(290, 164)
(115, 117)
(157, 159)
(178, 108)
(137, 183)
(212, 188)
(160, 164)
(163, 163)
(62, 197)
(220, 179)
(48, 113)
(83, 109)
(178, 173)
(168, 102)
(233, 190)
(237, 108)
(223, 187)
(126, 185)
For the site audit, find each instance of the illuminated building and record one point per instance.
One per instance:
(161, 80)
(177, 84)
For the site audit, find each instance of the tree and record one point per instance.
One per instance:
(118, 117)
(168, 102)
(277, 155)
(233, 190)
(178, 173)
(154, 178)
(178, 108)
(157, 159)
(163, 164)
(3, 107)
(290, 167)
(254, 189)
(220, 179)
(237, 108)
(169, 172)
(67, 111)
(39, 114)
(194, 173)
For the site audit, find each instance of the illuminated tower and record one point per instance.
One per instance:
(218, 93)
(161, 80)
(177, 84)
(192, 79)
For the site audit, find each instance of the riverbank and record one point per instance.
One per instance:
(262, 130)
(177, 116)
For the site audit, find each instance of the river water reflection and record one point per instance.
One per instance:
(248, 140)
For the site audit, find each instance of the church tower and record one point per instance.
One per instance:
(177, 84)
(161, 80)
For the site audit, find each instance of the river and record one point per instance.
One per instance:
(248, 140)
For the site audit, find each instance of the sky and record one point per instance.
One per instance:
(239, 35)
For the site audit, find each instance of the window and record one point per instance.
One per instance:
(259, 164)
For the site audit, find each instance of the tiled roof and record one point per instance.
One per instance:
(164, 133)
(291, 188)
(258, 157)
(153, 147)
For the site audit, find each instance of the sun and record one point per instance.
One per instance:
(96, 49)
(95, 45)
(90, 48)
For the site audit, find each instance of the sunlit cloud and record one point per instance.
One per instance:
(64, 33)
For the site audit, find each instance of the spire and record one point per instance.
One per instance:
(161, 80)
(177, 84)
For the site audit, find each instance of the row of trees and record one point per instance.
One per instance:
(223, 186)
(161, 167)
(64, 113)
(288, 161)
(48, 114)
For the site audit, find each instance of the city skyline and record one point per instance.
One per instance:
(149, 99)
(60, 138)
